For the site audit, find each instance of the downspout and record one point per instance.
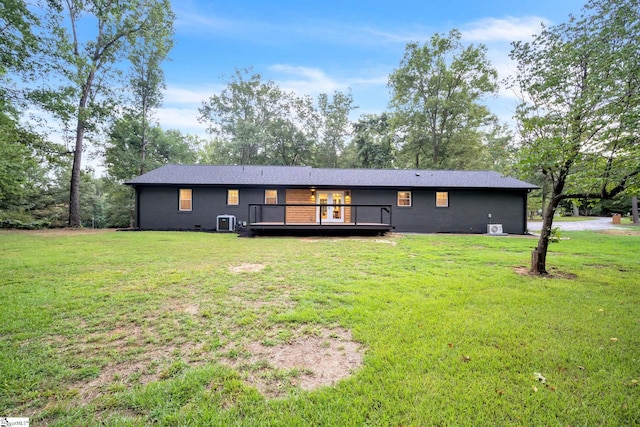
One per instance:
(525, 222)
(137, 220)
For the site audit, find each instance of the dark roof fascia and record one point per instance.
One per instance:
(232, 186)
(331, 187)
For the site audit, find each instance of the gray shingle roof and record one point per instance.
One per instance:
(305, 176)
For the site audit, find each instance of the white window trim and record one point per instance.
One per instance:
(404, 198)
(180, 199)
(265, 197)
(442, 206)
(229, 192)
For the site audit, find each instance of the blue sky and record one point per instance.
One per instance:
(312, 47)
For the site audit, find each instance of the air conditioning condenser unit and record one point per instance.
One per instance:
(494, 229)
(225, 223)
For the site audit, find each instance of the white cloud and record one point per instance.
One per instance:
(189, 95)
(305, 80)
(502, 29)
(184, 118)
(381, 80)
(200, 21)
(498, 34)
(313, 81)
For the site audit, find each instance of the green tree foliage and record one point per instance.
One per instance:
(92, 199)
(580, 118)
(256, 122)
(18, 44)
(500, 149)
(147, 77)
(17, 165)
(375, 141)
(124, 144)
(436, 100)
(261, 123)
(216, 151)
(25, 157)
(123, 161)
(87, 63)
(334, 128)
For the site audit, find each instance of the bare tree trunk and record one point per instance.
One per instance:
(539, 255)
(74, 193)
(143, 143)
(634, 209)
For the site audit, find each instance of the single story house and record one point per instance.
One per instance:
(276, 198)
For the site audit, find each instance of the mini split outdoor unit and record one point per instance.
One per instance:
(225, 223)
(494, 229)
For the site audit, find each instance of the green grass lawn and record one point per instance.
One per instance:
(134, 328)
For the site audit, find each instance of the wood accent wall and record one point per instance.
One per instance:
(301, 214)
(307, 215)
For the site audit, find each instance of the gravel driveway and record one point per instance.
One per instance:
(592, 224)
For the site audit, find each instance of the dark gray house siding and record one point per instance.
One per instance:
(467, 211)
(157, 207)
(472, 196)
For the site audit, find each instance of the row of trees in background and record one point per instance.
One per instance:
(436, 121)
(437, 118)
(578, 120)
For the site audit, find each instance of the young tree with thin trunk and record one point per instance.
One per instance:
(579, 119)
(147, 79)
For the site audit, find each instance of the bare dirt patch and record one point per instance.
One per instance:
(383, 241)
(621, 232)
(257, 297)
(553, 273)
(306, 362)
(390, 239)
(152, 364)
(191, 309)
(246, 268)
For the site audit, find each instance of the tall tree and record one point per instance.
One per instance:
(88, 63)
(262, 123)
(375, 141)
(147, 77)
(501, 150)
(579, 119)
(335, 127)
(436, 98)
(216, 151)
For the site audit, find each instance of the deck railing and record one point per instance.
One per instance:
(360, 214)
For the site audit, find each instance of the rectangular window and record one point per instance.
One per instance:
(442, 199)
(233, 197)
(271, 197)
(404, 198)
(186, 199)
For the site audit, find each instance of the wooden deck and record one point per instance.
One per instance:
(257, 223)
(344, 226)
